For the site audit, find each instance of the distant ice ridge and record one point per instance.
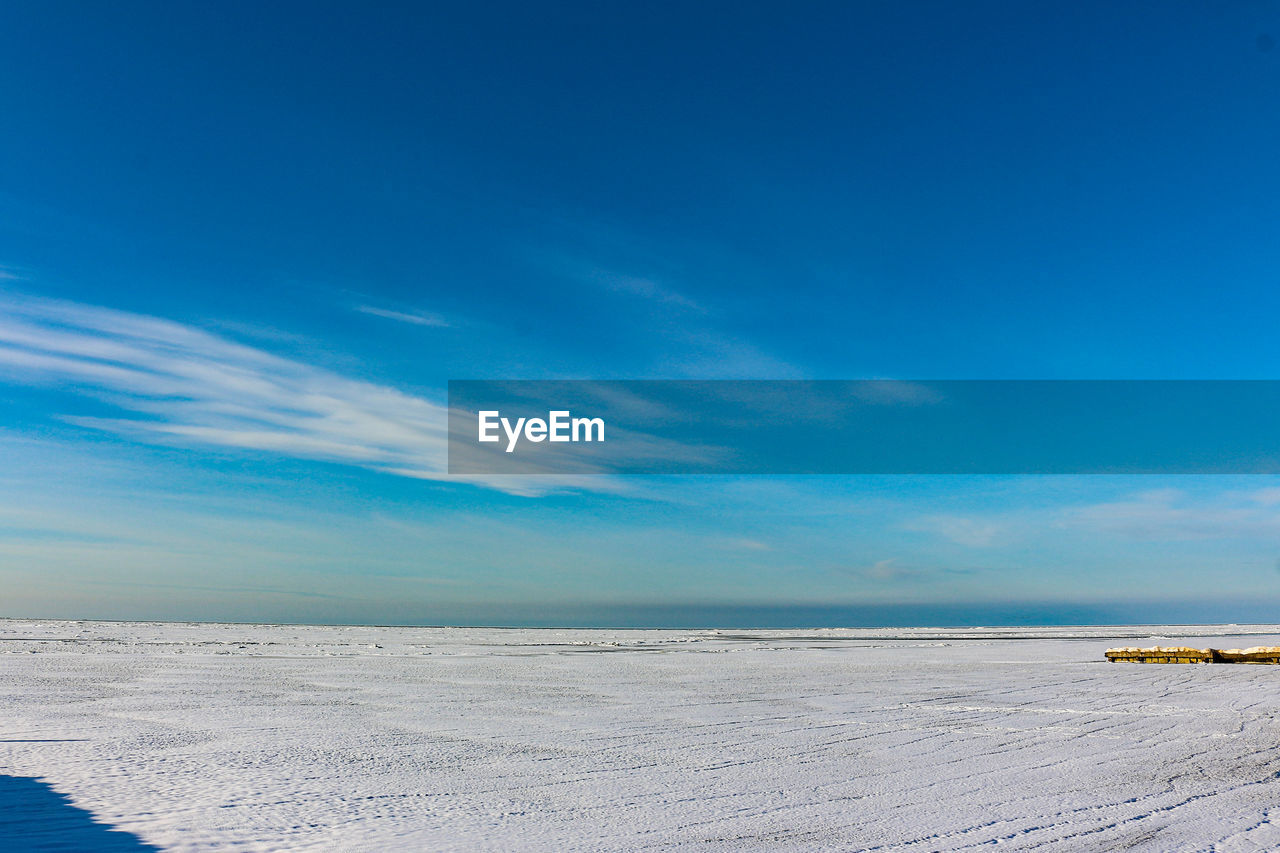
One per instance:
(280, 737)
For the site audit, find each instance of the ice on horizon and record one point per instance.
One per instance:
(287, 737)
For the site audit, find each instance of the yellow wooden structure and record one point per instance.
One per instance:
(1185, 654)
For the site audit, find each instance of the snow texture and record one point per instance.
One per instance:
(138, 736)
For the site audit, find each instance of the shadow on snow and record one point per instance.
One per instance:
(34, 817)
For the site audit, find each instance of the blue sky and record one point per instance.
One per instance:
(243, 249)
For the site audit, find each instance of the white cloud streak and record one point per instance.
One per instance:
(972, 532)
(1166, 515)
(416, 318)
(1170, 515)
(179, 385)
(641, 286)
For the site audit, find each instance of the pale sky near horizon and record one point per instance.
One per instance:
(244, 246)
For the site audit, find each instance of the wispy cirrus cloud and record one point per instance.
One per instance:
(185, 384)
(416, 318)
(1172, 515)
(179, 385)
(1162, 515)
(644, 287)
(890, 570)
(895, 571)
(970, 531)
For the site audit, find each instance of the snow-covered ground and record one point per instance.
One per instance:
(236, 737)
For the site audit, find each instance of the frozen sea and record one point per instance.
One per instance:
(146, 736)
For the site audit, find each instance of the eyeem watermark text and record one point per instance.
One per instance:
(558, 426)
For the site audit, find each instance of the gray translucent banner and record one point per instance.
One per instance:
(864, 427)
